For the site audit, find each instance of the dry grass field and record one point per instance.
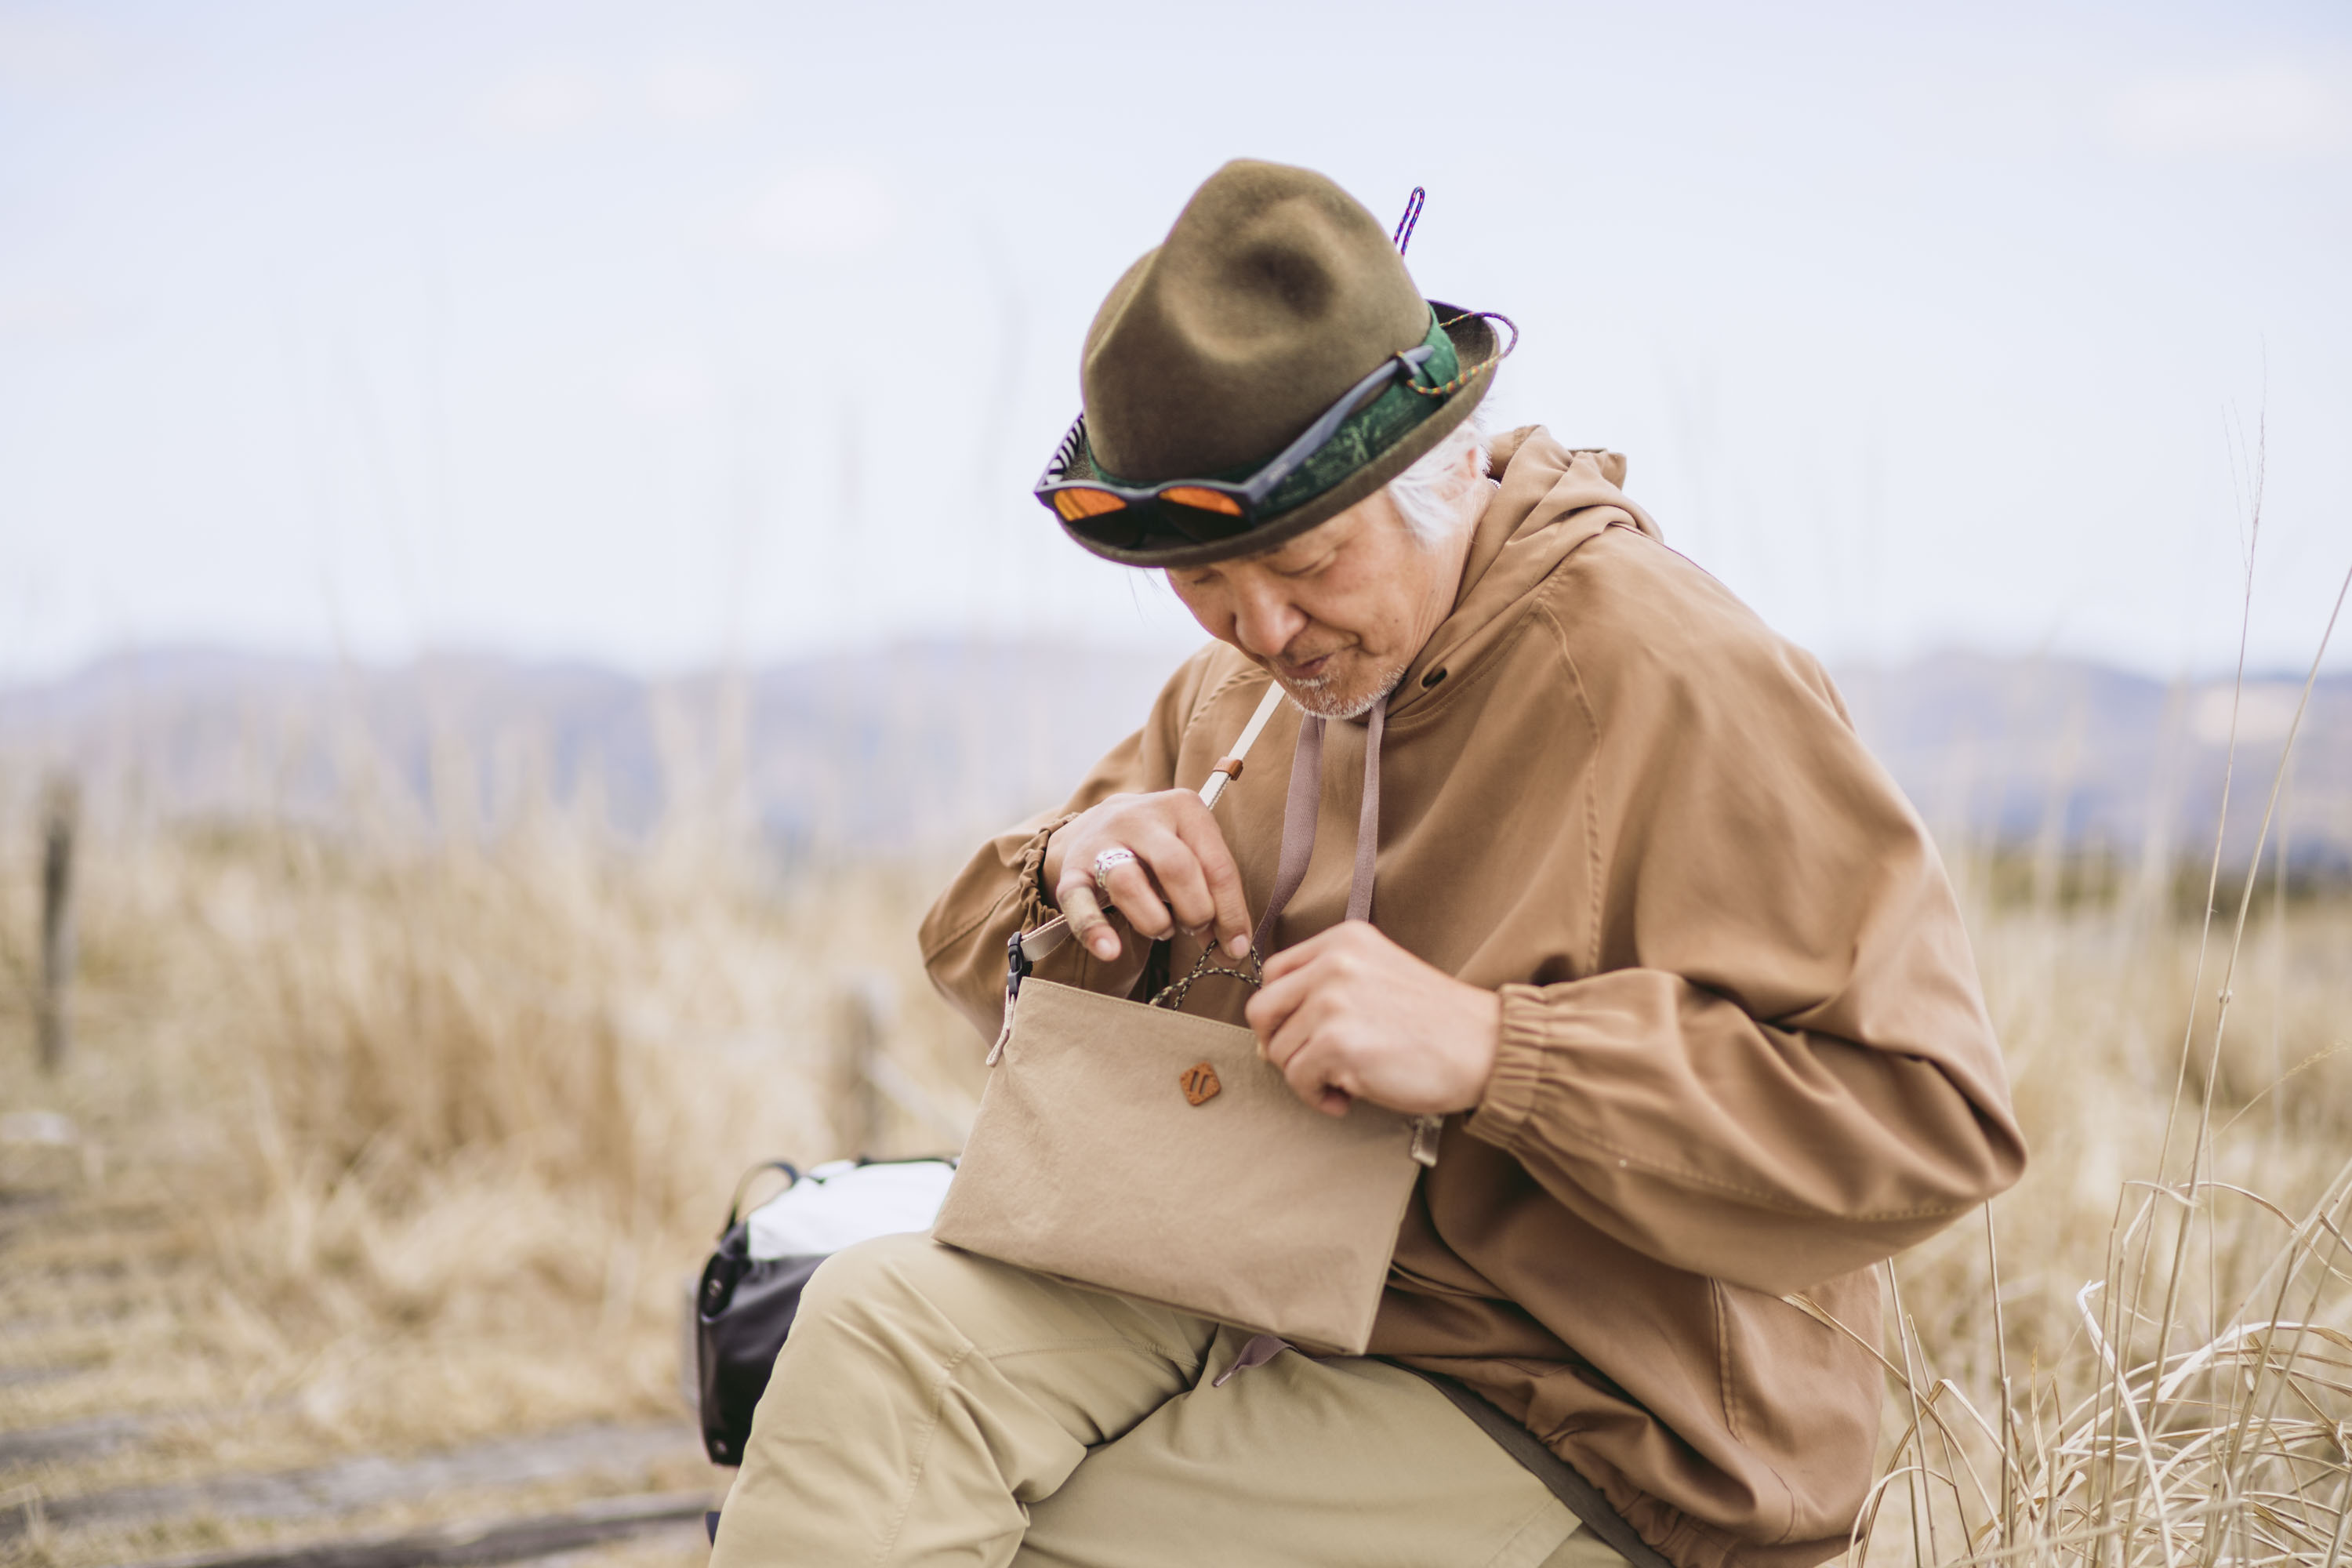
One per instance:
(372, 1151)
(378, 1147)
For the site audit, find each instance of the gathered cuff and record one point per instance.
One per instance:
(1035, 899)
(1510, 1097)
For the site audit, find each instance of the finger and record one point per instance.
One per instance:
(1274, 1005)
(1138, 897)
(1298, 955)
(1084, 912)
(1177, 868)
(1315, 1074)
(1305, 1024)
(1221, 877)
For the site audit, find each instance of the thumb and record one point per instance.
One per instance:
(1083, 910)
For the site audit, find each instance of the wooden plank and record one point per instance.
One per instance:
(27, 1377)
(68, 1439)
(465, 1545)
(354, 1484)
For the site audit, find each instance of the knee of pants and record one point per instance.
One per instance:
(879, 1278)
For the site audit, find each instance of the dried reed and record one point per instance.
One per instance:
(2200, 1409)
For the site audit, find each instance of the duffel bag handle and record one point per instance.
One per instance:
(735, 1204)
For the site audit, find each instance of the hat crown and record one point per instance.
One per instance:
(1274, 293)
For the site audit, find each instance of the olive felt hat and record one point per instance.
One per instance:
(1273, 296)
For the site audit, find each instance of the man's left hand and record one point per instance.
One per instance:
(1349, 1015)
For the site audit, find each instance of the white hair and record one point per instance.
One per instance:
(1441, 494)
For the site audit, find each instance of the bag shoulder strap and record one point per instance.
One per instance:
(1305, 804)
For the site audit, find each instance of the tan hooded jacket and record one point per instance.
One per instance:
(1744, 1055)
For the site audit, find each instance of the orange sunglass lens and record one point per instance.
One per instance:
(1203, 501)
(1077, 504)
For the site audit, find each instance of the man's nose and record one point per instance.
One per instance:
(1265, 621)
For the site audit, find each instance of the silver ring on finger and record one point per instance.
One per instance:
(1106, 863)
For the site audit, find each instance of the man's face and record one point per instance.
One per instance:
(1336, 613)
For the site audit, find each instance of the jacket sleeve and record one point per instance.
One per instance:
(999, 892)
(1778, 1068)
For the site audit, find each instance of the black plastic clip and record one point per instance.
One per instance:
(1016, 967)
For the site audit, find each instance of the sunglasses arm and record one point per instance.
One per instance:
(1312, 439)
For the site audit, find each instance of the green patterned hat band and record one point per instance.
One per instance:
(1367, 433)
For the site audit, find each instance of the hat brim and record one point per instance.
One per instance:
(1473, 343)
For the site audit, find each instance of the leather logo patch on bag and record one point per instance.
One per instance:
(1200, 1081)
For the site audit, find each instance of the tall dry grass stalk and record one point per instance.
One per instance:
(2188, 1399)
(2045, 1405)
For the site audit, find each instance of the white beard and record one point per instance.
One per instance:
(1316, 697)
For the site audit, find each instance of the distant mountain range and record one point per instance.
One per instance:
(922, 746)
(2015, 752)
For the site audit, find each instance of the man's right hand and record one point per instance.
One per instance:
(1182, 874)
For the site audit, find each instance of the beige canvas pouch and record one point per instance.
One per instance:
(1133, 1148)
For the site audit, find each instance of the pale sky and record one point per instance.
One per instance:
(659, 335)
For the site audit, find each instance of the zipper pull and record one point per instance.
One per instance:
(1425, 1130)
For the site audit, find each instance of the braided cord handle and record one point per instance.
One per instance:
(1173, 994)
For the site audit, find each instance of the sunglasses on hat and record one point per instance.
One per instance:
(1201, 512)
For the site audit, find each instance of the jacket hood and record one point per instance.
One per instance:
(1550, 499)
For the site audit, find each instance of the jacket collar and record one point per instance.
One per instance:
(1550, 499)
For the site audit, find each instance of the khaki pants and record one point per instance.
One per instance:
(933, 1408)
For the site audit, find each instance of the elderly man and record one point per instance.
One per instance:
(1656, 936)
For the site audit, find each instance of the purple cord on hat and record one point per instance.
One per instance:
(1403, 236)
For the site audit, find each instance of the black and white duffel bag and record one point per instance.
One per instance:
(751, 1287)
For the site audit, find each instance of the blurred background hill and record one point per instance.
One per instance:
(909, 749)
(918, 749)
